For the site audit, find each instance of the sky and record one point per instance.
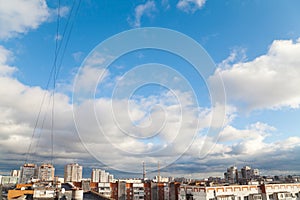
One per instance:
(194, 86)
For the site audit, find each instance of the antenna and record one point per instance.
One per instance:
(144, 171)
(158, 173)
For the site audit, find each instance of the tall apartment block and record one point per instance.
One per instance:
(100, 176)
(46, 172)
(73, 173)
(27, 172)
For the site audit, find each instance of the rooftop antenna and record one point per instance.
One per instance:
(158, 173)
(144, 171)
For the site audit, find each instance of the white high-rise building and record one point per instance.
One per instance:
(110, 178)
(15, 173)
(101, 176)
(95, 175)
(73, 173)
(46, 172)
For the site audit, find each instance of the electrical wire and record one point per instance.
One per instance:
(54, 75)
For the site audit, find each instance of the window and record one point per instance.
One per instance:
(257, 197)
(288, 195)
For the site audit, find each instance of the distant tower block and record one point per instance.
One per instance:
(46, 172)
(27, 172)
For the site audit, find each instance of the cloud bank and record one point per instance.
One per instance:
(270, 81)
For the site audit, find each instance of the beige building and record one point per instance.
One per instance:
(46, 172)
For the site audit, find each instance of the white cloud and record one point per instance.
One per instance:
(257, 130)
(19, 105)
(190, 6)
(63, 11)
(143, 9)
(5, 69)
(237, 55)
(20, 16)
(254, 145)
(269, 81)
(252, 141)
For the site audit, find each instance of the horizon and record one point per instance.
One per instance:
(86, 173)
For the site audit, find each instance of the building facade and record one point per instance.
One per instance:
(73, 173)
(101, 176)
(231, 175)
(46, 172)
(241, 192)
(28, 172)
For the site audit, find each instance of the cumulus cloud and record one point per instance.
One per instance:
(270, 81)
(158, 128)
(190, 6)
(5, 69)
(255, 141)
(21, 16)
(253, 145)
(143, 9)
(19, 105)
(136, 133)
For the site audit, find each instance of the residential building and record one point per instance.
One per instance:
(95, 175)
(6, 180)
(138, 191)
(174, 188)
(73, 173)
(231, 176)
(110, 178)
(15, 173)
(241, 192)
(28, 172)
(105, 189)
(101, 176)
(248, 174)
(46, 172)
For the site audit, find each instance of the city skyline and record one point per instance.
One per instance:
(73, 172)
(254, 45)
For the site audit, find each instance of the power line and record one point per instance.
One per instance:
(54, 79)
(54, 75)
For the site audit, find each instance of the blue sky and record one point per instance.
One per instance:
(254, 45)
